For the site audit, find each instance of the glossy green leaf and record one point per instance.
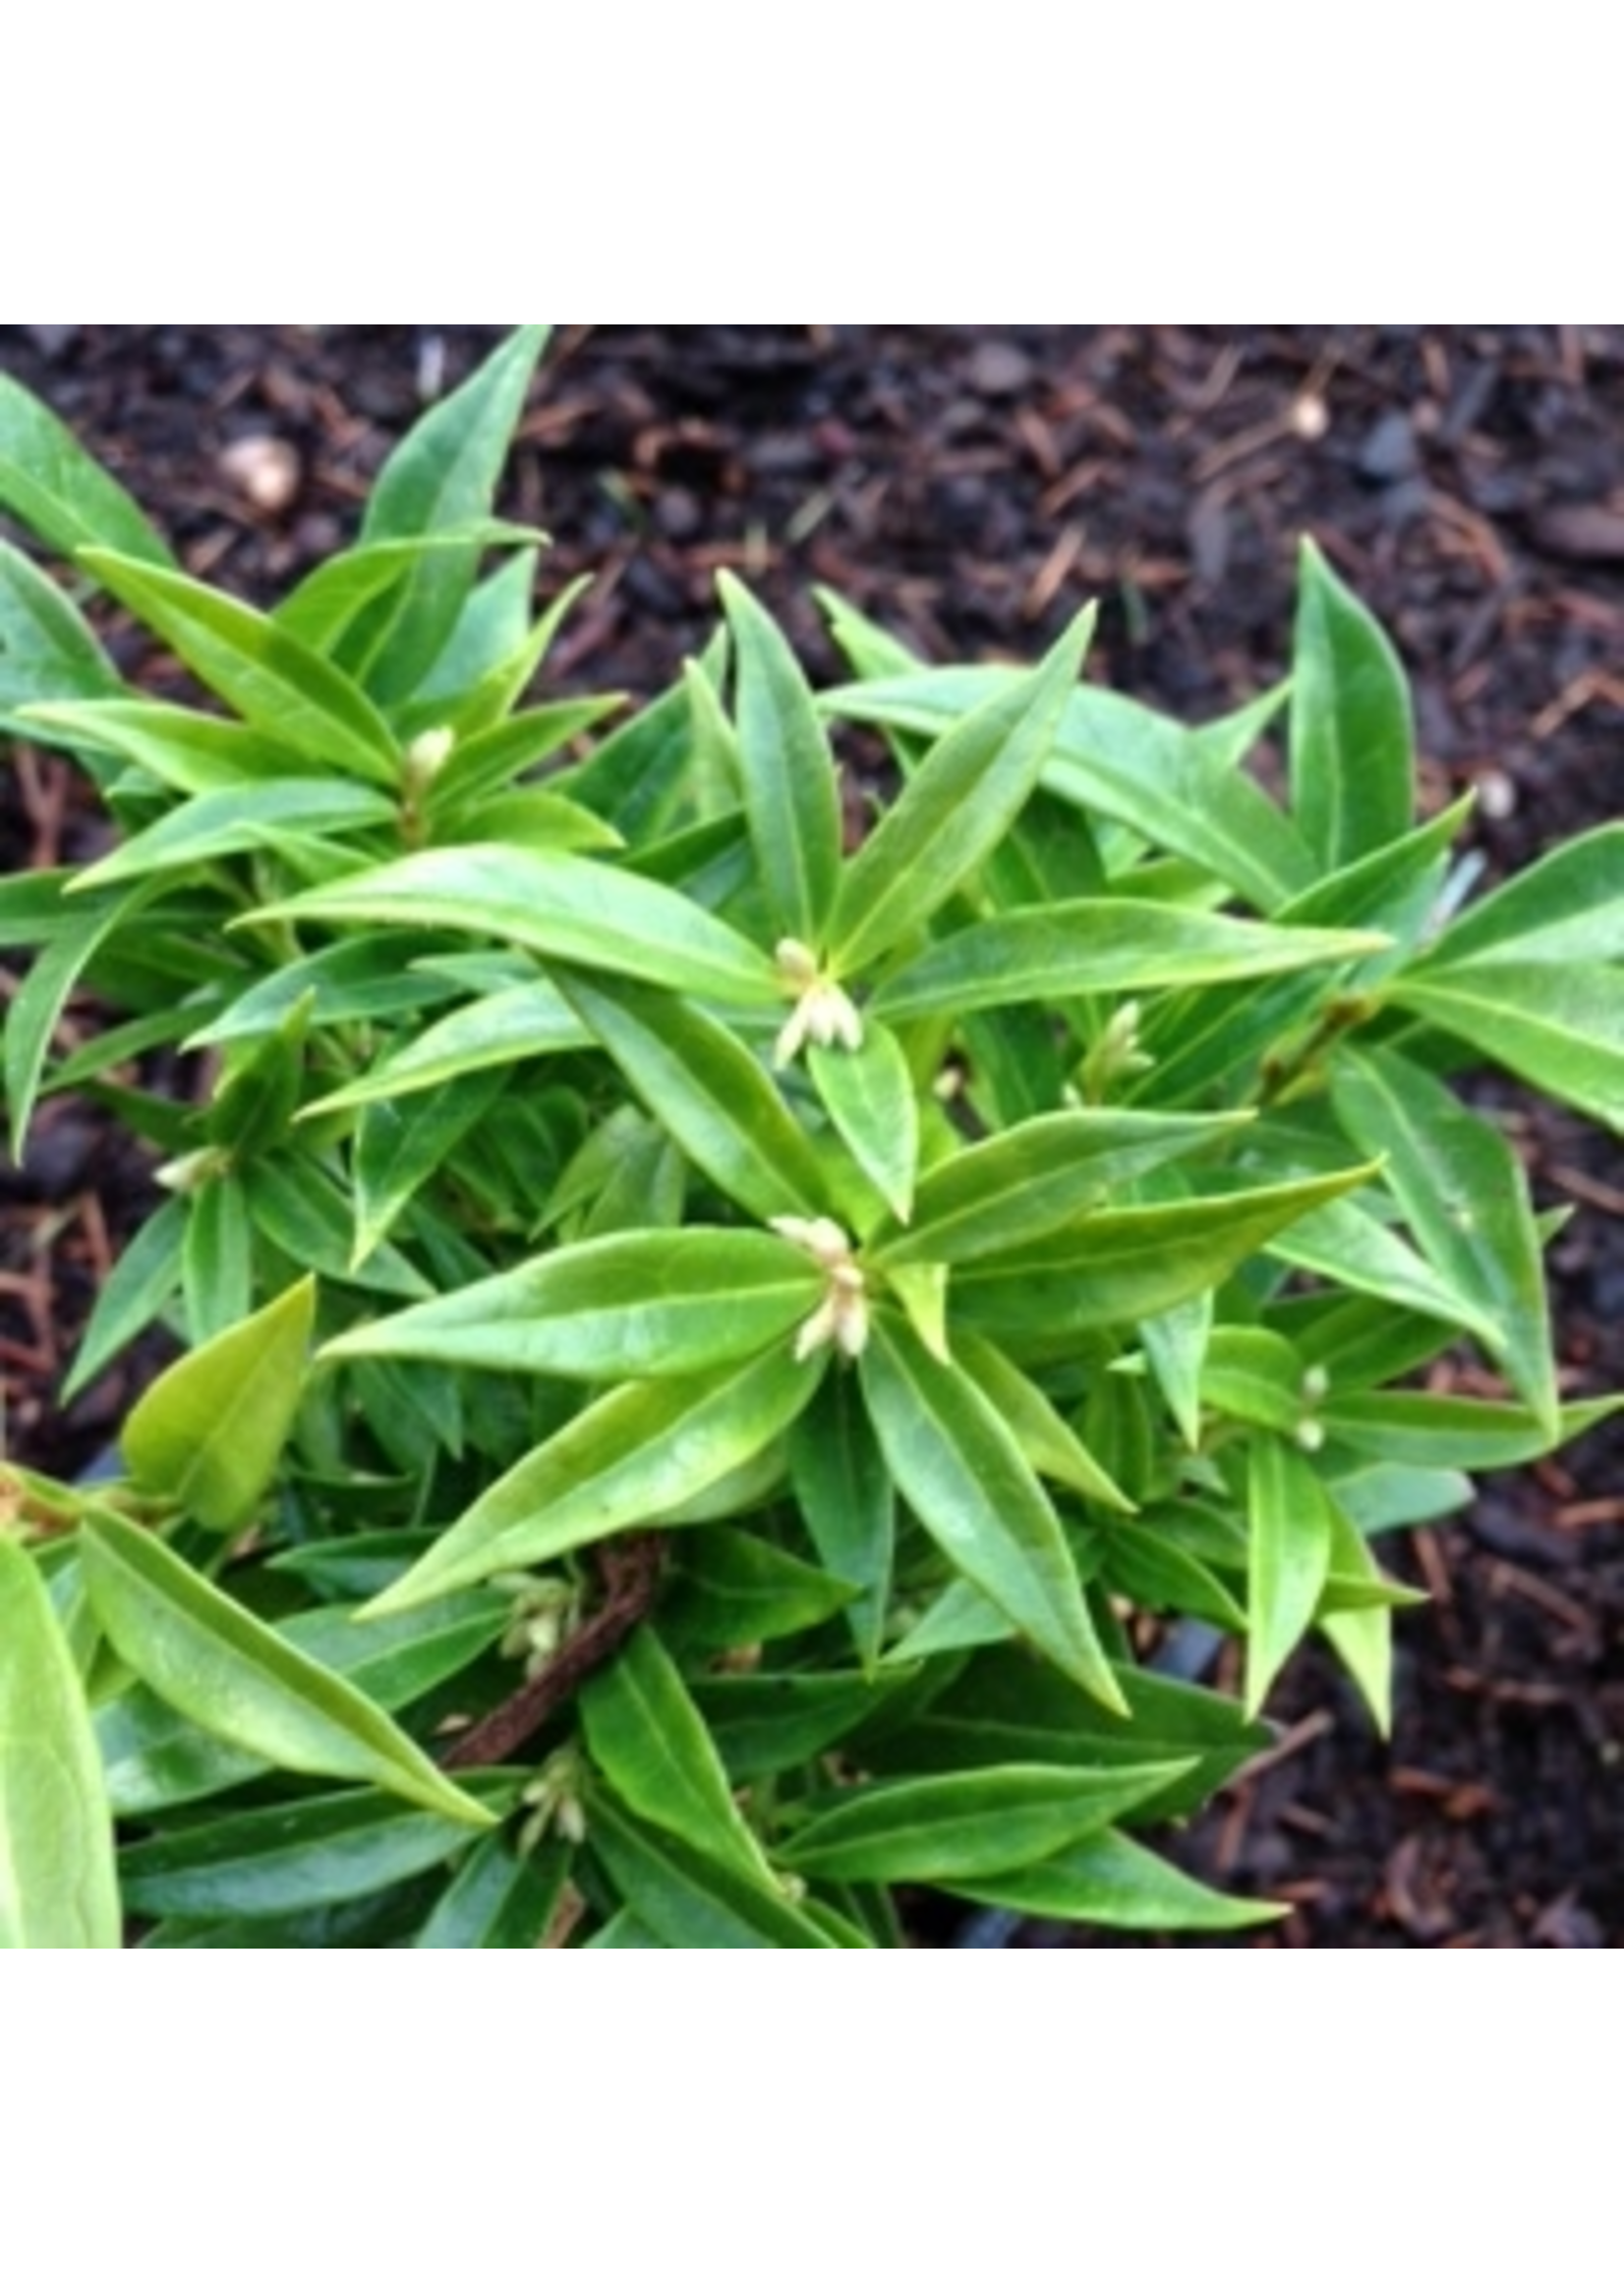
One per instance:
(270, 680)
(499, 1898)
(1028, 1182)
(399, 1147)
(786, 771)
(191, 752)
(691, 1899)
(1345, 1244)
(440, 478)
(1162, 1574)
(1414, 1428)
(209, 1432)
(58, 1886)
(58, 490)
(847, 1500)
(726, 1589)
(646, 1736)
(40, 1000)
(1290, 1526)
(289, 1856)
(561, 906)
(633, 1457)
(1351, 754)
(222, 822)
(483, 765)
(342, 589)
(869, 1096)
(971, 1821)
(217, 1260)
(1465, 1196)
(503, 1029)
(636, 1303)
(1069, 949)
(1114, 758)
(298, 1207)
(1110, 1881)
(1005, 1704)
(134, 1293)
(237, 1680)
(1558, 1026)
(156, 1757)
(765, 1724)
(710, 1094)
(961, 1469)
(1121, 1265)
(952, 811)
(49, 652)
(1566, 908)
(1052, 1447)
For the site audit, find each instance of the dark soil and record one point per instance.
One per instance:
(972, 486)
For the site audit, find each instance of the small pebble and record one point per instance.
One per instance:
(263, 469)
(997, 368)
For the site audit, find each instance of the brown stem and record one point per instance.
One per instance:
(630, 1572)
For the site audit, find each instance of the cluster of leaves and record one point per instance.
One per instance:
(707, 1353)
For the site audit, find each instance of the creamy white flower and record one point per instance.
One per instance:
(824, 1013)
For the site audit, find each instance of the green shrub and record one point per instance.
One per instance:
(701, 1348)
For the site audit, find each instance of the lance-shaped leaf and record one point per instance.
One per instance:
(191, 752)
(518, 1023)
(398, 1147)
(953, 810)
(1559, 1025)
(39, 1001)
(58, 1887)
(1027, 1181)
(440, 478)
(1076, 948)
(1121, 1265)
(1566, 908)
(847, 1500)
(236, 1677)
(786, 770)
(267, 676)
(1345, 1244)
(222, 822)
(500, 1899)
(961, 1469)
(692, 1899)
(970, 1820)
(1414, 1428)
(1290, 1526)
(558, 904)
(635, 1456)
(1115, 758)
(1465, 1196)
(708, 1093)
(1363, 1639)
(644, 1734)
(209, 1432)
(1110, 1881)
(634, 1302)
(260, 1862)
(765, 1724)
(49, 652)
(1052, 1446)
(1351, 755)
(56, 487)
(869, 1096)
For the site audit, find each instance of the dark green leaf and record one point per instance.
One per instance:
(1351, 760)
(1111, 1881)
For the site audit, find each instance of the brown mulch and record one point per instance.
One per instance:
(972, 486)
